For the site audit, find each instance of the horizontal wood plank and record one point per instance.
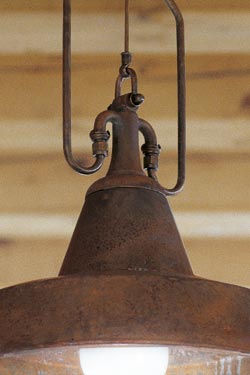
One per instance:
(29, 137)
(118, 5)
(220, 259)
(45, 184)
(196, 224)
(217, 86)
(219, 32)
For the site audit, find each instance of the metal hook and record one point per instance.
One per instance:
(181, 98)
(67, 147)
(120, 79)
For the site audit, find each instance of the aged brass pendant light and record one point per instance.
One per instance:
(126, 301)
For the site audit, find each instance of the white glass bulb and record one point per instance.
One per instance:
(124, 360)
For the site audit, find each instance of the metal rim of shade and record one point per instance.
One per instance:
(124, 308)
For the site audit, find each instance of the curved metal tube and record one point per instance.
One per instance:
(150, 139)
(148, 132)
(67, 148)
(181, 98)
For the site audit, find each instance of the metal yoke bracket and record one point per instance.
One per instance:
(99, 134)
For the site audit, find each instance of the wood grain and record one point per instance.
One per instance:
(24, 260)
(114, 5)
(217, 86)
(196, 224)
(45, 184)
(32, 136)
(220, 32)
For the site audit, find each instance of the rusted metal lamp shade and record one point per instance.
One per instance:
(126, 280)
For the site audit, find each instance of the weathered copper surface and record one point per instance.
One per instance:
(125, 168)
(126, 229)
(129, 307)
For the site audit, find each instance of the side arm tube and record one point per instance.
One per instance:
(67, 143)
(181, 98)
(150, 149)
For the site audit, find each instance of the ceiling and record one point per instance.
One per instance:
(41, 197)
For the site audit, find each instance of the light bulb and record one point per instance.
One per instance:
(124, 360)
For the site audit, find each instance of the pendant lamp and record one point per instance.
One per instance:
(126, 301)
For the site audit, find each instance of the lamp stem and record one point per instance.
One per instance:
(126, 47)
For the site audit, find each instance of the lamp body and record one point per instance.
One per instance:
(124, 308)
(126, 229)
(111, 295)
(126, 287)
(125, 281)
(129, 293)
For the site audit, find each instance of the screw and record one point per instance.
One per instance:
(137, 99)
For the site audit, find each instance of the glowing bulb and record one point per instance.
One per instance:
(124, 360)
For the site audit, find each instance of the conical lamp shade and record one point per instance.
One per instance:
(125, 291)
(126, 229)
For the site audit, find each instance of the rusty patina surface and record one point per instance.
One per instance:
(126, 229)
(130, 307)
